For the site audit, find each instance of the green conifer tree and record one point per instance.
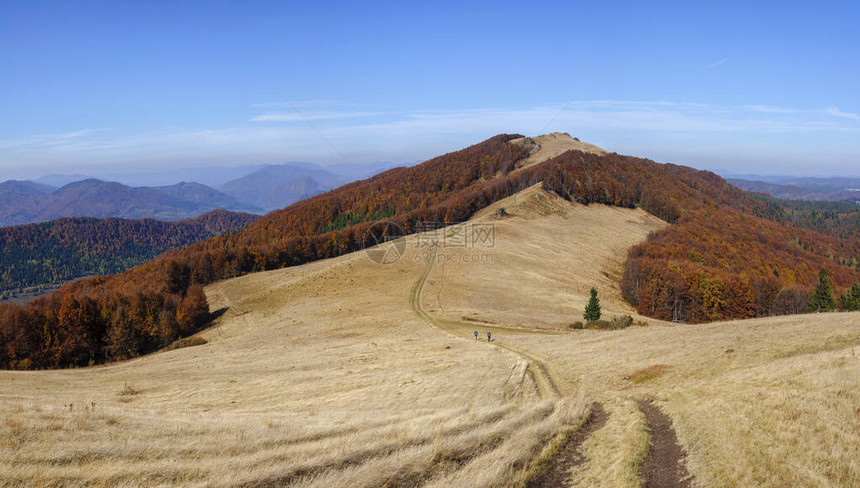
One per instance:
(822, 298)
(592, 310)
(850, 301)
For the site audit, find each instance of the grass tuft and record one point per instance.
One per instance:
(129, 390)
(192, 341)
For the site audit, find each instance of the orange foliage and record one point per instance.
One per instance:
(726, 255)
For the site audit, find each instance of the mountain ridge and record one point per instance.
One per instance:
(736, 274)
(28, 202)
(257, 189)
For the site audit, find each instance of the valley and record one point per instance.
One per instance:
(37, 259)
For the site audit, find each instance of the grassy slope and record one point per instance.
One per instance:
(323, 375)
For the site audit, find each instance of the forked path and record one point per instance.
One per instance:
(548, 384)
(663, 468)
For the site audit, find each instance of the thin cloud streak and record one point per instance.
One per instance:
(834, 111)
(48, 140)
(294, 117)
(665, 127)
(767, 109)
(718, 63)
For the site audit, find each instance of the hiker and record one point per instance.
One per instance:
(476, 335)
(489, 337)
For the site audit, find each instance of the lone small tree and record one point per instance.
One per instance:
(822, 298)
(592, 310)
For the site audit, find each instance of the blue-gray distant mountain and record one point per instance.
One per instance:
(16, 200)
(258, 189)
(24, 188)
(206, 196)
(212, 176)
(26, 202)
(278, 186)
(800, 188)
(58, 180)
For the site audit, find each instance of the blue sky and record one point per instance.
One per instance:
(750, 87)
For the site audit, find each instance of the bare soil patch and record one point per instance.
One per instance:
(663, 467)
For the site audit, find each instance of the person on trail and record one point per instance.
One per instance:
(476, 335)
(489, 337)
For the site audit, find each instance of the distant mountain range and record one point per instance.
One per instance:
(799, 188)
(258, 190)
(23, 202)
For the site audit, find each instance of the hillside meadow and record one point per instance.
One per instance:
(344, 372)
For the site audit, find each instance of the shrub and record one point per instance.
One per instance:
(186, 342)
(620, 322)
(623, 321)
(600, 324)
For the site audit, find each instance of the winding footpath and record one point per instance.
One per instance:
(662, 468)
(547, 382)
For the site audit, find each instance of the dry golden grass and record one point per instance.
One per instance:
(547, 255)
(781, 410)
(325, 375)
(548, 146)
(649, 373)
(615, 451)
(320, 375)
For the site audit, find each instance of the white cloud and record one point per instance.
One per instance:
(834, 111)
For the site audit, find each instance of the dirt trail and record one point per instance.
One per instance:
(569, 455)
(548, 384)
(663, 467)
